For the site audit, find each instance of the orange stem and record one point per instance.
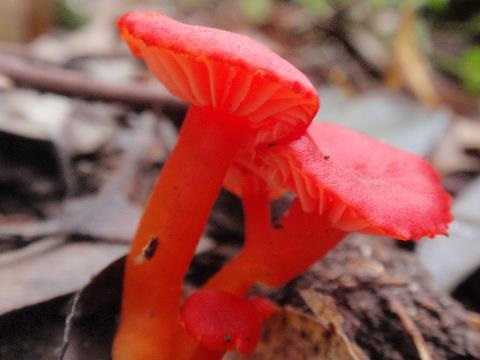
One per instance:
(300, 240)
(168, 233)
(274, 256)
(270, 255)
(239, 275)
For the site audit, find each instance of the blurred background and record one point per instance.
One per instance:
(84, 128)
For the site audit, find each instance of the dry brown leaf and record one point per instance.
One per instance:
(22, 20)
(410, 65)
(290, 334)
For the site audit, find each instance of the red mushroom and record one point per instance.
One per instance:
(221, 321)
(364, 184)
(241, 95)
(275, 254)
(354, 183)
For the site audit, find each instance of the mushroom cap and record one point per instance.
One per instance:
(227, 71)
(221, 321)
(361, 183)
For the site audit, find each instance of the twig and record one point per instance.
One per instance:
(68, 325)
(409, 325)
(72, 83)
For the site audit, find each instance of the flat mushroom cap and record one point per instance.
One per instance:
(361, 183)
(227, 71)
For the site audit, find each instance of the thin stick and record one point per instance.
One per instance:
(68, 325)
(72, 83)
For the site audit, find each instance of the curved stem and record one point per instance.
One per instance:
(239, 275)
(168, 233)
(270, 255)
(276, 256)
(301, 239)
(256, 210)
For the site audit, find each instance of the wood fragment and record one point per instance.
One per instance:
(440, 328)
(326, 312)
(410, 327)
(473, 320)
(69, 324)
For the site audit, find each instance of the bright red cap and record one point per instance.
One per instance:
(227, 71)
(221, 321)
(362, 183)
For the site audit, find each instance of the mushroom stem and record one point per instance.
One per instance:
(256, 210)
(239, 275)
(168, 233)
(301, 239)
(274, 256)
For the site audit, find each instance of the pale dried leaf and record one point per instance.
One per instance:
(21, 20)
(467, 204)
(449, 156)
(292, 335)
(50, 268)
(468, 132)
(449, 260)
(388, 116)
(75, 126)
(473, 320)
(452, 259)
(410, 63)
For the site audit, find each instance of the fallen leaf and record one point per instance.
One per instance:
(449, 260)
(411, 66)
(93, 215)
(466, 206)
(22, 20)
(388, 116)
(468, 132)
(77, 127)
(473, 320)
(38, 331)
(450, 157)
(50, 268)
(452, 259)
(289, 334)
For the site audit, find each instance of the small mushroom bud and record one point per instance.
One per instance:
(221, 321)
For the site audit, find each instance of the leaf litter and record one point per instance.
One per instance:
(405, 130)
